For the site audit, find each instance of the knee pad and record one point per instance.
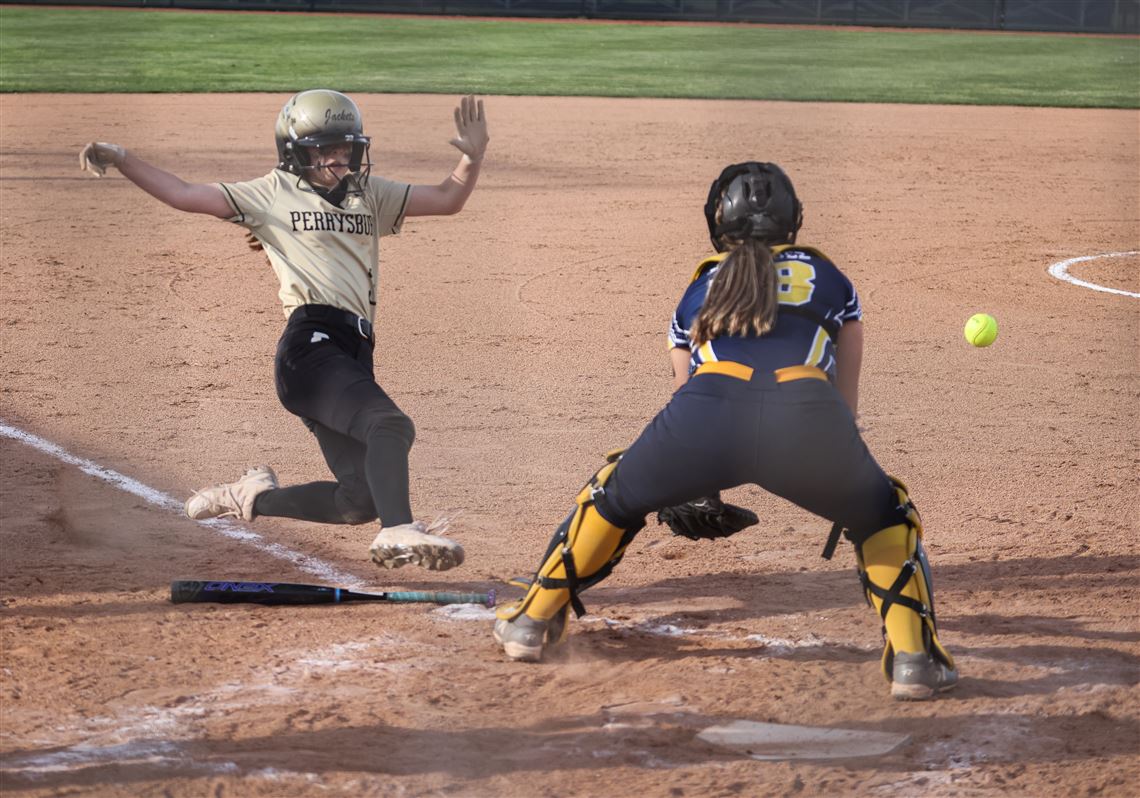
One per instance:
(584, 550)
(897, 551)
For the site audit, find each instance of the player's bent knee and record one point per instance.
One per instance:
(386, 425)
(355, 516)
(404, 427)
(394, 424)
(355, 505)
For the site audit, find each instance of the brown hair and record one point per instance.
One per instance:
(742, 295)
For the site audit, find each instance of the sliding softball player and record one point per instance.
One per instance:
(319, 217)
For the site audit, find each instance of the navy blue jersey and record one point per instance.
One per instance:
(808, 282)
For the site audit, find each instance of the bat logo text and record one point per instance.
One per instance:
(240, 587)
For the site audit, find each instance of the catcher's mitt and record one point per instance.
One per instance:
(706, 519)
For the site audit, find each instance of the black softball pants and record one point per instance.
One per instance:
(795, 439)
(324, 374)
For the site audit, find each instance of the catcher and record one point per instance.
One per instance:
(319, 217)
(767, 345)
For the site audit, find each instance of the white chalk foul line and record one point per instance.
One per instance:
(1061, 272)
(303, 562)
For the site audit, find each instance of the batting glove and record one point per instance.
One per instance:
(98, 155)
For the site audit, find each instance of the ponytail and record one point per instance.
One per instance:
(742, 296)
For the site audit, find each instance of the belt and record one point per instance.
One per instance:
(362, 325)
(740, 371)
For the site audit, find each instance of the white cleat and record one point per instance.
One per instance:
(413, 544)
(233, 499)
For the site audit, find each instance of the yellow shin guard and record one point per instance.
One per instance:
(594, 544)
(584, 550)
(883, 556)
(896, 578)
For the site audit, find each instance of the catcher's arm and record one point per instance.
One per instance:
(848, 362)
(679, 359)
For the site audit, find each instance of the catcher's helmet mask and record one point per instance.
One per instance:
(322, 118)
(753, 200)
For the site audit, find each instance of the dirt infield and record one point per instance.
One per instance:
(526, 337)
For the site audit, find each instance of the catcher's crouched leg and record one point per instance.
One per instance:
(896, 577)
(584, 551)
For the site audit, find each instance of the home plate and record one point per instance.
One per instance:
(779, 741)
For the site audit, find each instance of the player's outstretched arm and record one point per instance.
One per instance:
(169, 188)
(471, 139)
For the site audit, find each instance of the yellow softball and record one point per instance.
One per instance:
(981, 329)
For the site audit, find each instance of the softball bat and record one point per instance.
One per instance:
(184, 591)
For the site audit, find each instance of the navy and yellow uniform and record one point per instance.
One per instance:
(759, 407)
(759, 410)
(815, 297)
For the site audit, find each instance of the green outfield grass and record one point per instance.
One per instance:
(112, 50)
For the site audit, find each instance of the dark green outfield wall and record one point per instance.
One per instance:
(1080, 16)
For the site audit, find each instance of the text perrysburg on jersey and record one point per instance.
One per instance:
(355, 223)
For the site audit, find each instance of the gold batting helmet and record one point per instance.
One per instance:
(322, 118)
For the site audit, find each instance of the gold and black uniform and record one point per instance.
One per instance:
(325, 251)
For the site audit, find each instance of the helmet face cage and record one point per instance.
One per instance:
(300, 157)
(752, 200)
(322, 118)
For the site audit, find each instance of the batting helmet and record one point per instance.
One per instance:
(321, 118)
(753, 200)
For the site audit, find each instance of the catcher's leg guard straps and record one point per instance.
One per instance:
(896, 578)
(585, 555)
(902, 509)
(584, 551)
(887, 576)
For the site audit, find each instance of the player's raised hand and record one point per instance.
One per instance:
(471, 125)
(98, 155)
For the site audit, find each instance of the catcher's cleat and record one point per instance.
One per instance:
(522, 638)
(917, 677)
(413, 544)
(234, 499)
